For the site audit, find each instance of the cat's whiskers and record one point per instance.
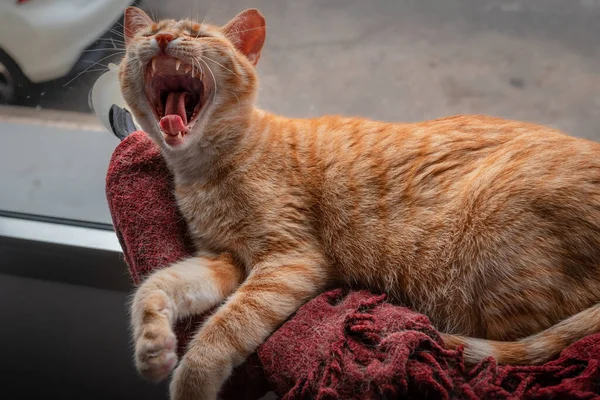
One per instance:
(219, 64)
(213, 75)
(116, 32)
(209, 15)
(152, 13)
(99, 62)
(238, 99)
(105, 49)
(93, 70)
(123, 27)
(112, 40)
(199, 66)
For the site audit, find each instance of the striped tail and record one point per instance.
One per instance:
(534, 349)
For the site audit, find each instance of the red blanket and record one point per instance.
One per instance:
(341, 345)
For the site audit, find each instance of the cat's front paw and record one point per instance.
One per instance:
(199, 376)
(155, 352)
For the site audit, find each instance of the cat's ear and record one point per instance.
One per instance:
(135, 20)
(247, 31)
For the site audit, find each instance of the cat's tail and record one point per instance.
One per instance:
(535, 349)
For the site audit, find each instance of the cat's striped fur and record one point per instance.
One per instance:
(490, 227)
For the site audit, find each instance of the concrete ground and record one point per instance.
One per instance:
(407, 60)
(402, 60)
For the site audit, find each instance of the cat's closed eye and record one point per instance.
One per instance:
(151, 33)
(196, 34)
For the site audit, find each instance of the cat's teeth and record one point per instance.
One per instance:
(154, 65)
(188, 69)
(177, 65)
(179, 135)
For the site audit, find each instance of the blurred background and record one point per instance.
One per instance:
(63, 284)
(400, 60)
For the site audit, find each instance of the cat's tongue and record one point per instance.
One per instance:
(175, 119)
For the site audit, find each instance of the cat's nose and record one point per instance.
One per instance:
(163, 40)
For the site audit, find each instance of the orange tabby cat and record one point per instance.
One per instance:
(490, 227)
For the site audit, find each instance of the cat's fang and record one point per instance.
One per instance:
(174, 88)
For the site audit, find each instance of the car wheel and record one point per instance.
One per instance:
(13, 83)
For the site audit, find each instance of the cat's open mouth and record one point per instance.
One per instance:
(176, 94)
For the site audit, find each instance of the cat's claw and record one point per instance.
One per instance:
(155, 354)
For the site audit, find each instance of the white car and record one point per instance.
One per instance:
(43, 40)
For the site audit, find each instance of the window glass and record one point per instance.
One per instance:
(395, 60)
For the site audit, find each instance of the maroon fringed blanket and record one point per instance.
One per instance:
(341, 345)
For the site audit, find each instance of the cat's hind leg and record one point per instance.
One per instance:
(185, 288)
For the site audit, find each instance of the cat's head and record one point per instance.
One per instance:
(180, 77)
